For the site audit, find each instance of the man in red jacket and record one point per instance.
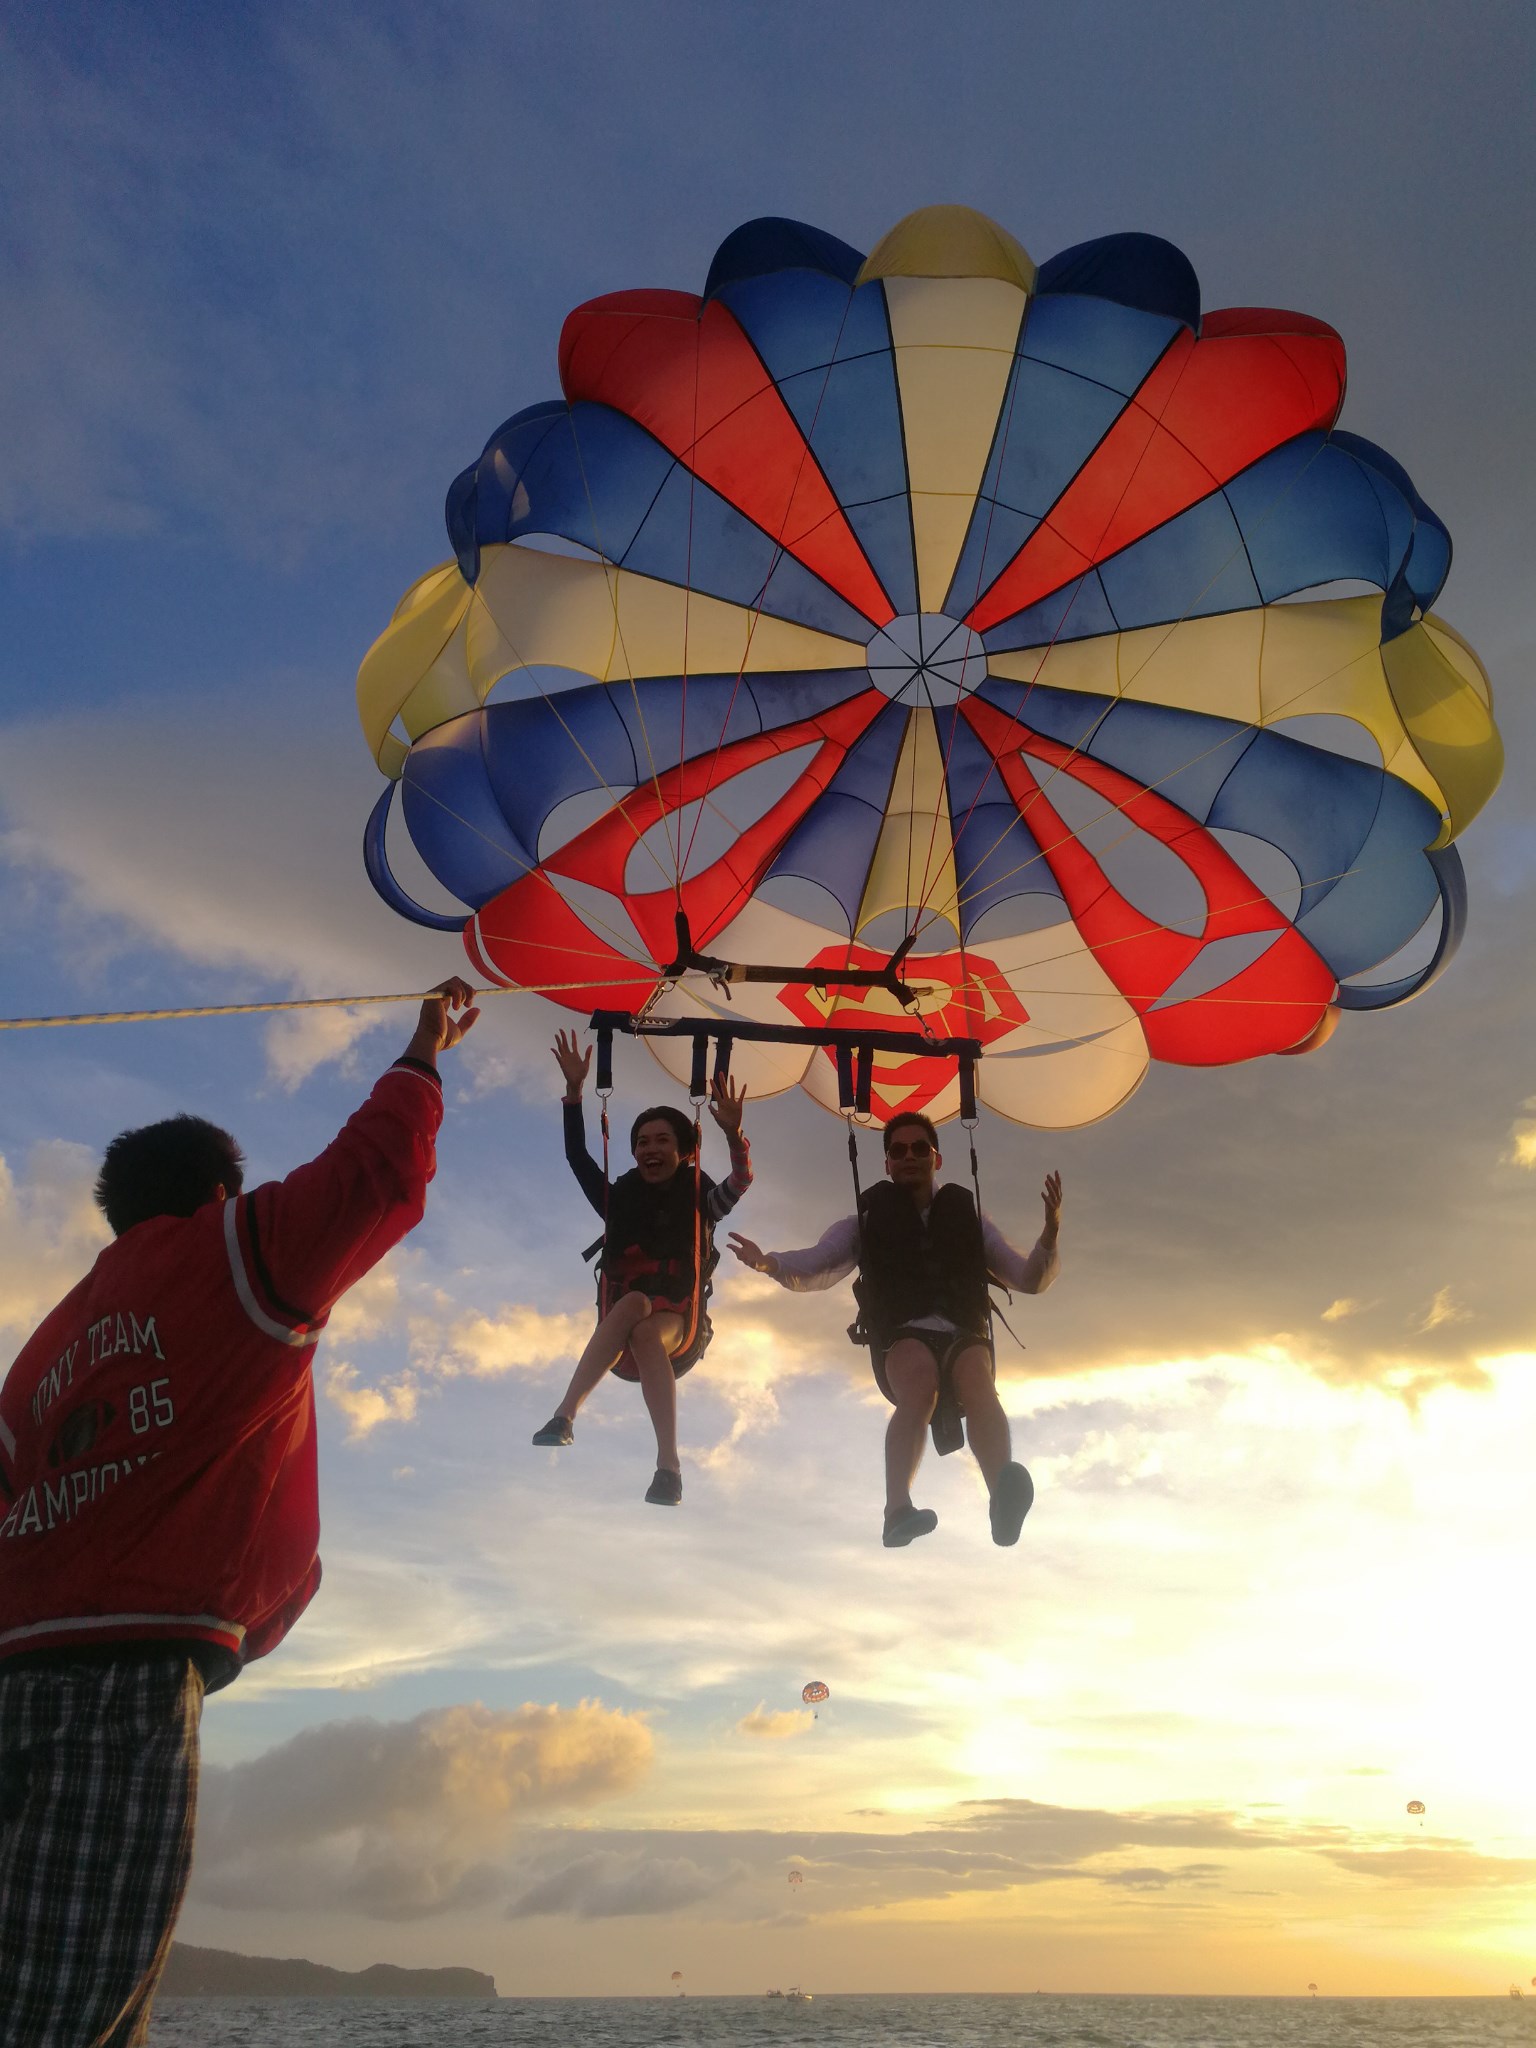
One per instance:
(160, 1520)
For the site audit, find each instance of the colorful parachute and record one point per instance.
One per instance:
(934, 598)
(1415, 1806)
(814, 1693)
(796, 1879)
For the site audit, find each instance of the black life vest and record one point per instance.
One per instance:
(654, 1229)
(913, 1267)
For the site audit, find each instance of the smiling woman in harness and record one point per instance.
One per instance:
(657, 1253)
(925, 1255)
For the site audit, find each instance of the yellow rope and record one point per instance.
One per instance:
(291, 1003)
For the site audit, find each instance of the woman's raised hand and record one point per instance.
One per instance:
(726, 1103)
(574, 1063)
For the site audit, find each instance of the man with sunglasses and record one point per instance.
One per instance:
(925, 1256)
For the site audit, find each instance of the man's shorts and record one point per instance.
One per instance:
(944, 1346)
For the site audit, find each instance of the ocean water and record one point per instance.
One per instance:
(977, 2021)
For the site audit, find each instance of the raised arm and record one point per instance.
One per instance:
(832, 1258)
(726, 1105)
(1031, 1272)
(574, 1068)
(308, 1237)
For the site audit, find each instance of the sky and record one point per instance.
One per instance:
(270, 278)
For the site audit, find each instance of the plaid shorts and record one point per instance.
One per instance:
(98, 1794)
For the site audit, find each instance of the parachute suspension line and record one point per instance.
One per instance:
(604, 1095)
(611, 573)
(995, 752)
(755, 610)
(915, 927)
(621, 943)
(1085, 740)
(847, 1103)
(698, 1093)
(1243, 729)
(679, 859)
(968, 1123)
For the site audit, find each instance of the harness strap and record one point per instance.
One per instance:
(605, 1052)
(696, 1304)
(857, 1331)
(968, 1095)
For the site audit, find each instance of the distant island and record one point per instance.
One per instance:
(220, 1973)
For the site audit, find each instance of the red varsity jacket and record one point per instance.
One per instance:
(157, 1432)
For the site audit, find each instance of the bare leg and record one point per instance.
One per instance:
(605, 1348)
(986, 1426)
(651, 1347)
(913, 1378)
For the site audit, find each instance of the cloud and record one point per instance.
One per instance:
(1336, 1311)
(299, 1041)
(610, 1885)
(515, 1338)
(1453, 1867)
(769, 1727)
(50, 1231)
(990, 1849)
(260, 885)
(1149, 1878)
(260, 881)
(405, 1819)
(1521, 1150)
(373, 1304)
(365, 1407)
(1443, 1309)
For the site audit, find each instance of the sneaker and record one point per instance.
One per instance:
(556, 1432)
(666, 1489)
(1012, 1498)
(906, 1525)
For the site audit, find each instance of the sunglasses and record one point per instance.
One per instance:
(918, 1149)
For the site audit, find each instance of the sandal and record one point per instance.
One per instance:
(1012, 1498)
(906, 1525)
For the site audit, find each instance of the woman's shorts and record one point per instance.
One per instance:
(690, 1354)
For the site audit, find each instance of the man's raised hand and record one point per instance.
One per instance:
(726, 1103)
(1050, 1194)
(574, 1063)
(437, 1029)
(751, 1255)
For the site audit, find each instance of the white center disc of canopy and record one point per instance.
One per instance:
(925, 657)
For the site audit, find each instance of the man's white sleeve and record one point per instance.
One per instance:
(1025, 1275)
(831, 1258)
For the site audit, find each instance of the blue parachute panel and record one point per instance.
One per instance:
(1092, 338)
(1193, 567)
(451, 811)
(1080, 610)
(1141, 272)
(691, 537)
(376, 864)
(835, 842)
(762, 248)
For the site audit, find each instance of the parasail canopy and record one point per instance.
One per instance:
(1029, 618)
